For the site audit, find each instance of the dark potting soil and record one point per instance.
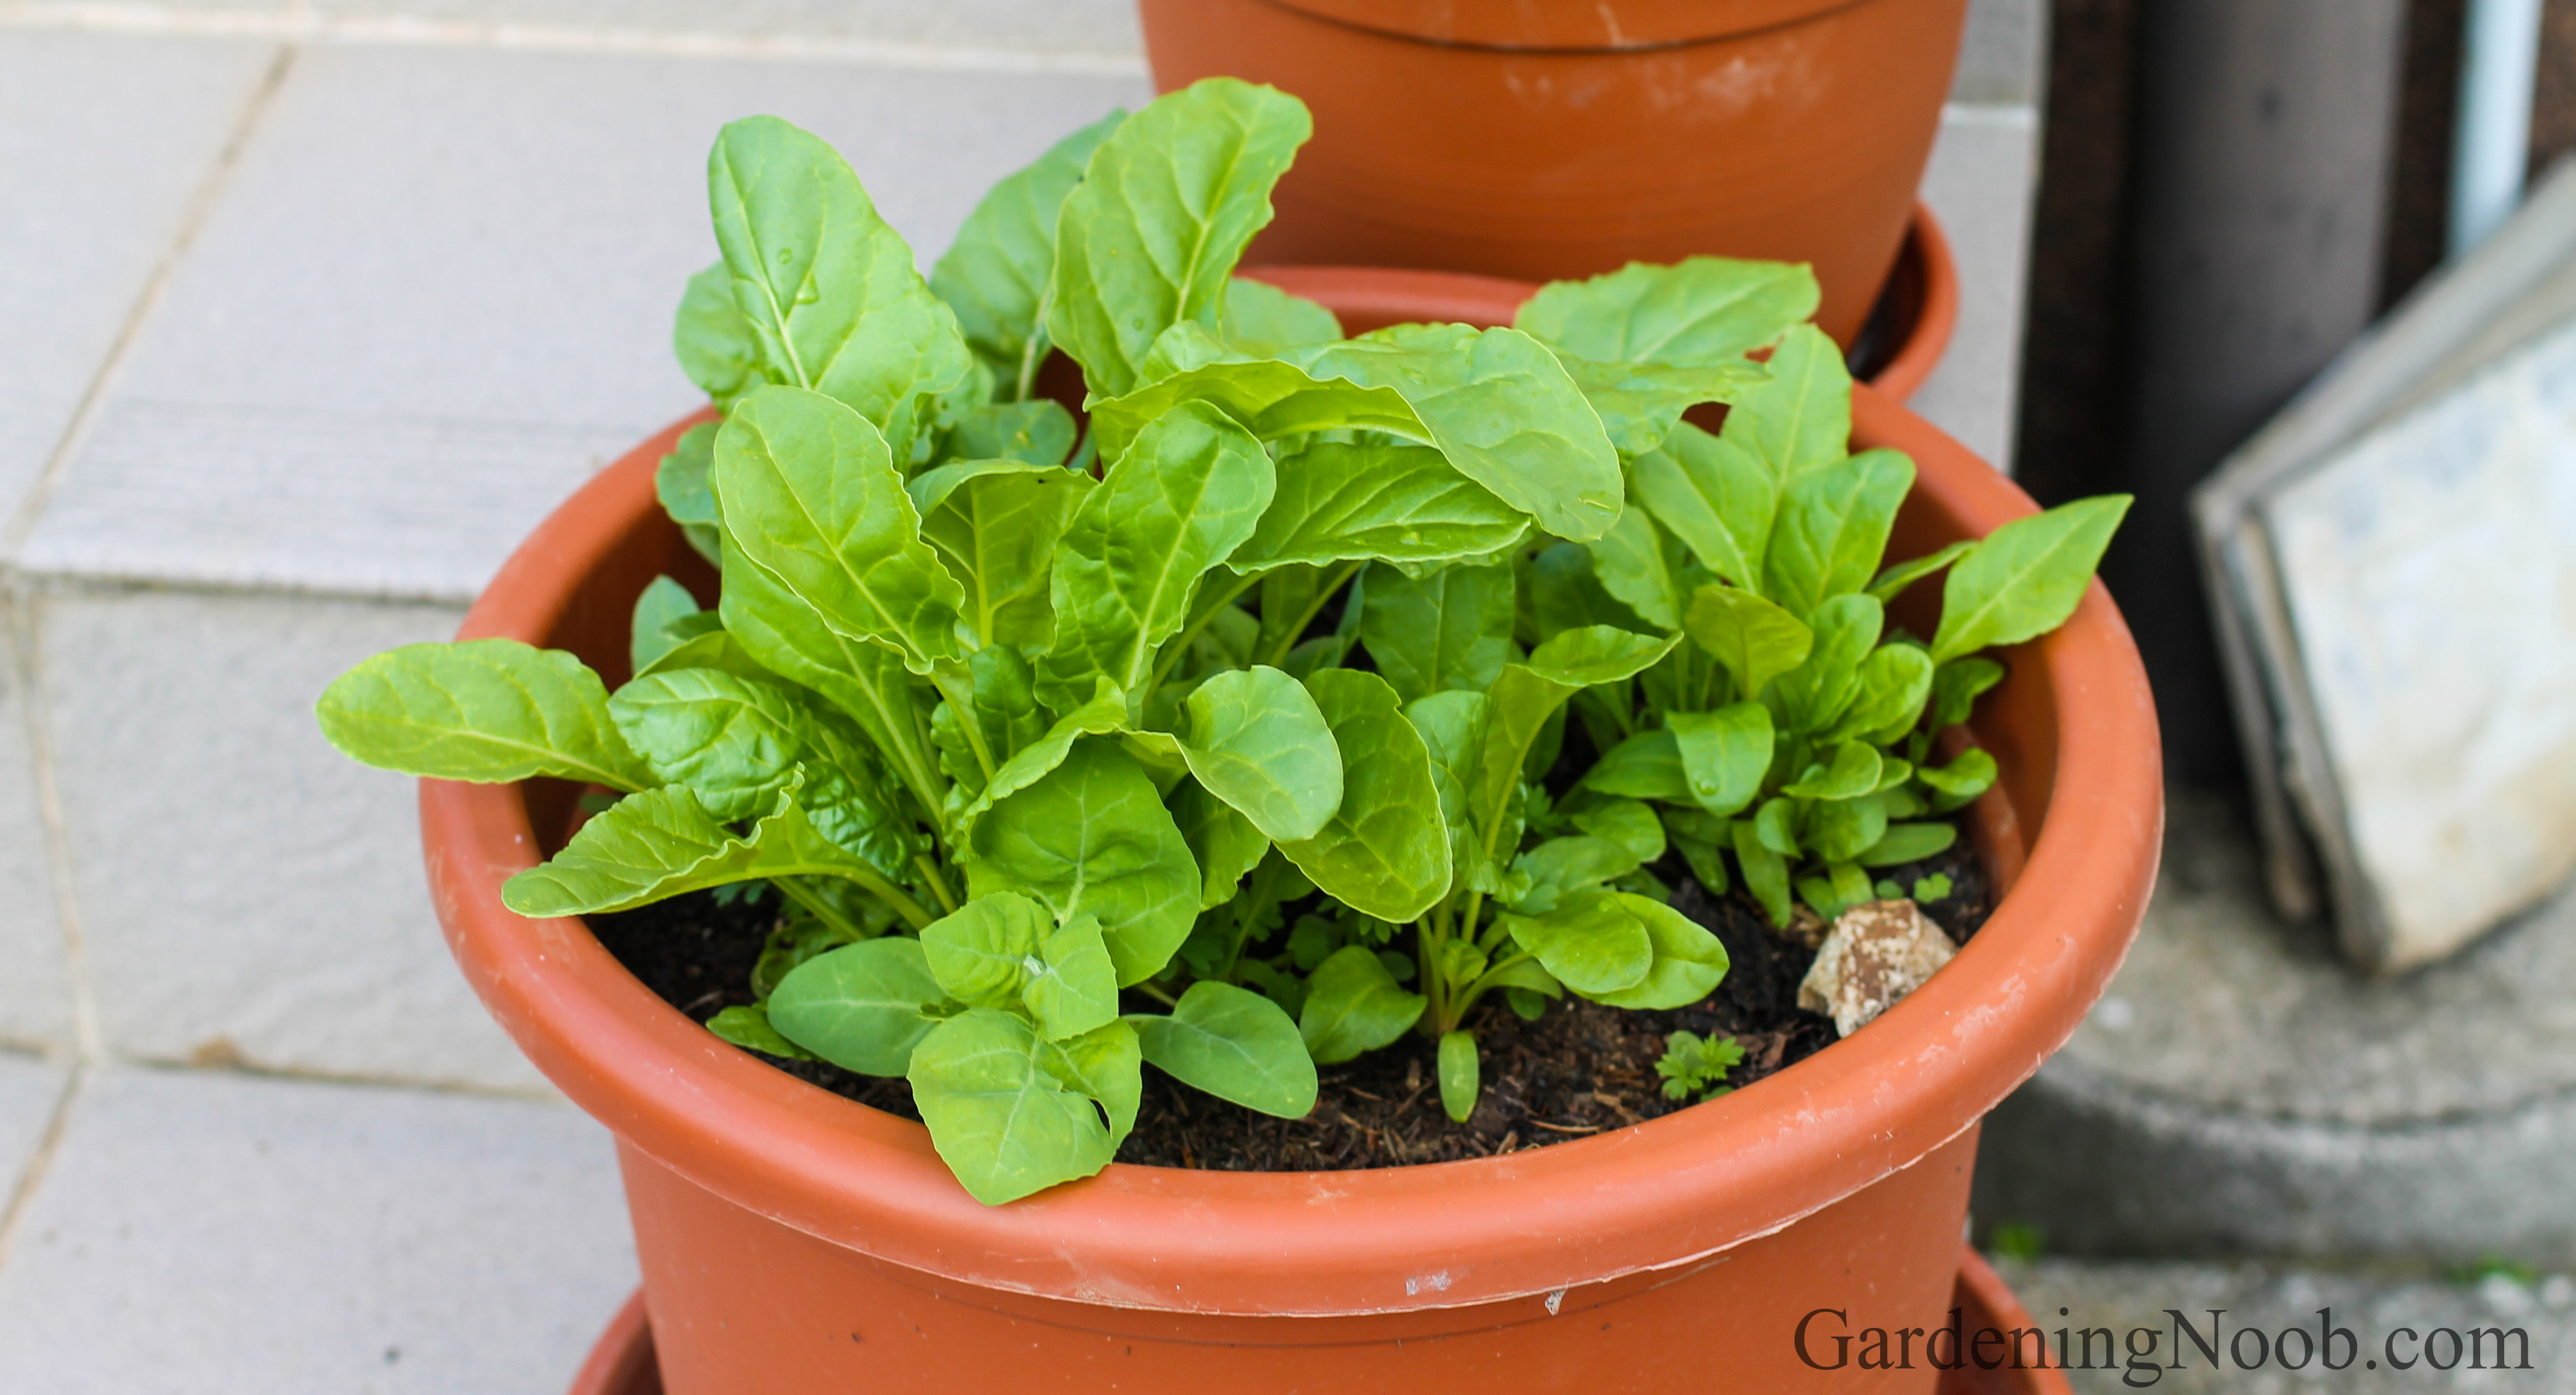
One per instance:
(1579, 1069)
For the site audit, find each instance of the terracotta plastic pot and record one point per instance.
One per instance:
(1542, 141)
(623, 1361)
(794, 1242)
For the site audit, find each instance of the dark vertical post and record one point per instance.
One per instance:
(2263, 152)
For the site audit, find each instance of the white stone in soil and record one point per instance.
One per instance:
(1877, 953)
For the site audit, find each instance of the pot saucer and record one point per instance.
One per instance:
(622, 1363)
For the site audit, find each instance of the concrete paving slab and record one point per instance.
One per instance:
(2380, 1311)
(438, 295)
(30, 1089)
(1984, 169)
(2240, 1090)
(247, 893)
(2003, 56)
(205, 1234)
(104, 141)
(35, 985)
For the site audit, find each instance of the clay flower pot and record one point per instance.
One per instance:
(1547, 141)
(798, 1243)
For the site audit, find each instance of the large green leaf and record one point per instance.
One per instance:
(862, 1007)
(1105, 713)
(994, 276)
(1755, 640)
(1638, 403)
(1260, 319)
(1340, 502)
(810, 496)
(1223, 842)
(1564, 867)
(2025, 578)
(653, 846)
(1816, 692)
(1689, 961)
(1849, 770)
(1593, 943)
(1696, 311)
(1236, 1045)
(1724, 754)
(980, 953)
(1831, 531)
(829, 291)
(1647, 765)
(1039, 431)
(1001, 1120)
(1166, 204)
(994, 525)
(1800, 420)
(1354, 1005)
(486, 710)
(1715, 496)
(1270, 398)
(1501, 408)
(1106, 1064)
(712, 339)
(1257, 741)
(1180, 501)
(1093, 836)
(1450, 629)
(733, 741)
(1632, 563)
(846, 798)
(1894, 682)
(1385, 851)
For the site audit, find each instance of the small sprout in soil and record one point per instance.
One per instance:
(1696, 1065)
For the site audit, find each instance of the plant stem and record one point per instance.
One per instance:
(867, 880)
(817, 907)
(1157, 994)
(1324, 593)
(938, 884)
(1033, 352)
(963, 703)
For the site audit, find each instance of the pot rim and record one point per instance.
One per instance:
(1607, 28)
(1665, 1192)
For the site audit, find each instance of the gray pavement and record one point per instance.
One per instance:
(314, 308)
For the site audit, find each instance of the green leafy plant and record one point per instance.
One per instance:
(1695, 1065)
(1216, 736)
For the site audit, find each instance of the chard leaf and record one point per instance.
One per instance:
(1840, 830)
(1107, 1064)
(981, 952)
(1968, 775)
(1502, 409)
(700, 641)
(1104, 714)
(1003, 1122)
(1271, 399)
(1701, 310)
(1629, 823)
(1450, 629)
(1724, 754)
(747, 1026)
(680, 482)
(829, 291)
(1832, 529)
(810, 496)
(2024, 579)
(1592, 944)
(1957, 685)
(1894, 681)
(1812, 695)
(994, 525)
(1526, 695)
(1638, 403)
(1766, 872)
(1150, 236)
(1180, 501)
(1262, 320)
(1234, 1044)
(1092, 836)
(1354, 1005)
(1892, 582)
(1647, 765)
(1562, 867)
(1039, 431)
(1596, 654)
(664, 603)
(1716, 497)
(1258, 742)
(1632, 564)
(1688, 962)
(1452, 727)
(1397, 503)
(1458, 1082)
(862, 1007)
(994, 276)
(712, 339)
(1755, 640)
(1074, 990)
(1385, 850)
(845, 797)
(653, 846)
(1222, 841)
(1908, 842)
(485, 710)
(732, 741)
(1851, 771)
(1800, 420)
